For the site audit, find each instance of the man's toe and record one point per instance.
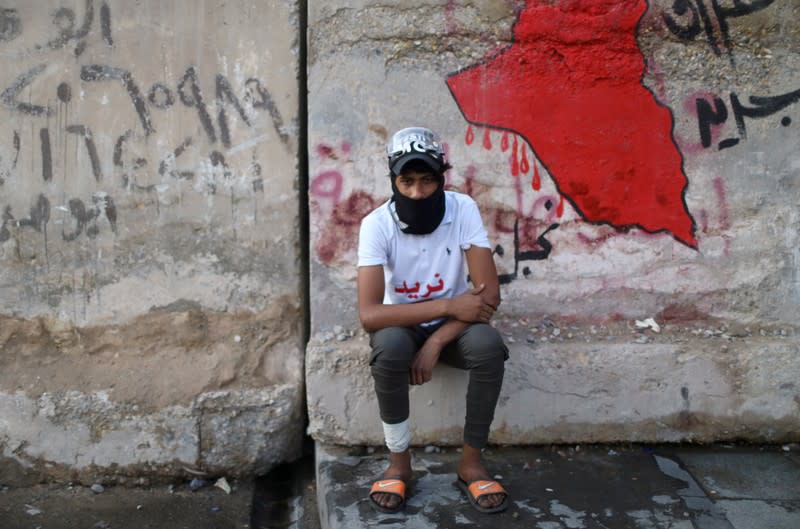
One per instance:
(490, 500)
(390, 501)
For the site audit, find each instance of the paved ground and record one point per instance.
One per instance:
(285, 498)
(552, 487)
(65, 507)
(579, 487)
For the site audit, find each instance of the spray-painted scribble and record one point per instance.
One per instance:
(160, 96)
(134, 166)
(709, 116)
(98, 72)
(339, 213)
(85, 218)
(7, 168)
(254, 88)
(9, 96)
(91, 148)
(689, 18)
(82, 219)
(195, 99)
(342, 216)
(65, 19)
(47, 155)
(38, 218)
(10, 25)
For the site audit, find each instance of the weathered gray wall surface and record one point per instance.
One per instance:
(630, 161)
(150, 276)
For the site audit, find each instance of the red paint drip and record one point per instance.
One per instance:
(523, 163)
(536, 183)
(504, 142)
(722, 203)
(469, 178)
(514, 160)
(470, 136)
(487, 140)
(560, 207)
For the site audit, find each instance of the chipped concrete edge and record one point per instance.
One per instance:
(78, 437)
(689, 390)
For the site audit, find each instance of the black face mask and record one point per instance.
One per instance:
(421, 216)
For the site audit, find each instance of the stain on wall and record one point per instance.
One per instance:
(149, 235)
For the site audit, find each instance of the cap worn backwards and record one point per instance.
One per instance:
(415, 143)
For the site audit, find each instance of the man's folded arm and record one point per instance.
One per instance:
(482, 271)
(375, 315)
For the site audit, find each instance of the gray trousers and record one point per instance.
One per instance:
(479, 349)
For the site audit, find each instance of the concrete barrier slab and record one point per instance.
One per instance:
(579, 384)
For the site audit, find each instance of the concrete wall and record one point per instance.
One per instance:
(630, 161)
(150, 273)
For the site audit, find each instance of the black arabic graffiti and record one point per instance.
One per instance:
(6, 171)
(159, 96)
(696, 16)
(73, 29)
(9, 96)
(84, 218)
(65, 20)
(528, 255)
(98, 72)
(38, 219)
(190, 94)
(91, 148)
(10, 24)
(709, 116)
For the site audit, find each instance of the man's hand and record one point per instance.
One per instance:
(422, 368)
(470, 307)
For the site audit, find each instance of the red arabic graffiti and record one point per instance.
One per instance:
(337, 215)
(571, 86)
(413, 292)
(338, 218)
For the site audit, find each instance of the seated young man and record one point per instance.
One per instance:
(414, 254)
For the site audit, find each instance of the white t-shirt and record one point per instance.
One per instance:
(422, 267)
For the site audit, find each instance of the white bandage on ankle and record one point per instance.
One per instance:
(397, 436)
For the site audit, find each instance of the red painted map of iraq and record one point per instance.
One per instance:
(571, 84)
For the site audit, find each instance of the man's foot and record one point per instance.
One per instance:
(481, 494)
(486, 495)
(394, 483)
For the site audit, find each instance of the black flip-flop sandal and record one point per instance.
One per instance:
(394, 487)
(480, 488)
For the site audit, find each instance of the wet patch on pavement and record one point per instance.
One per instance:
(550, 488)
